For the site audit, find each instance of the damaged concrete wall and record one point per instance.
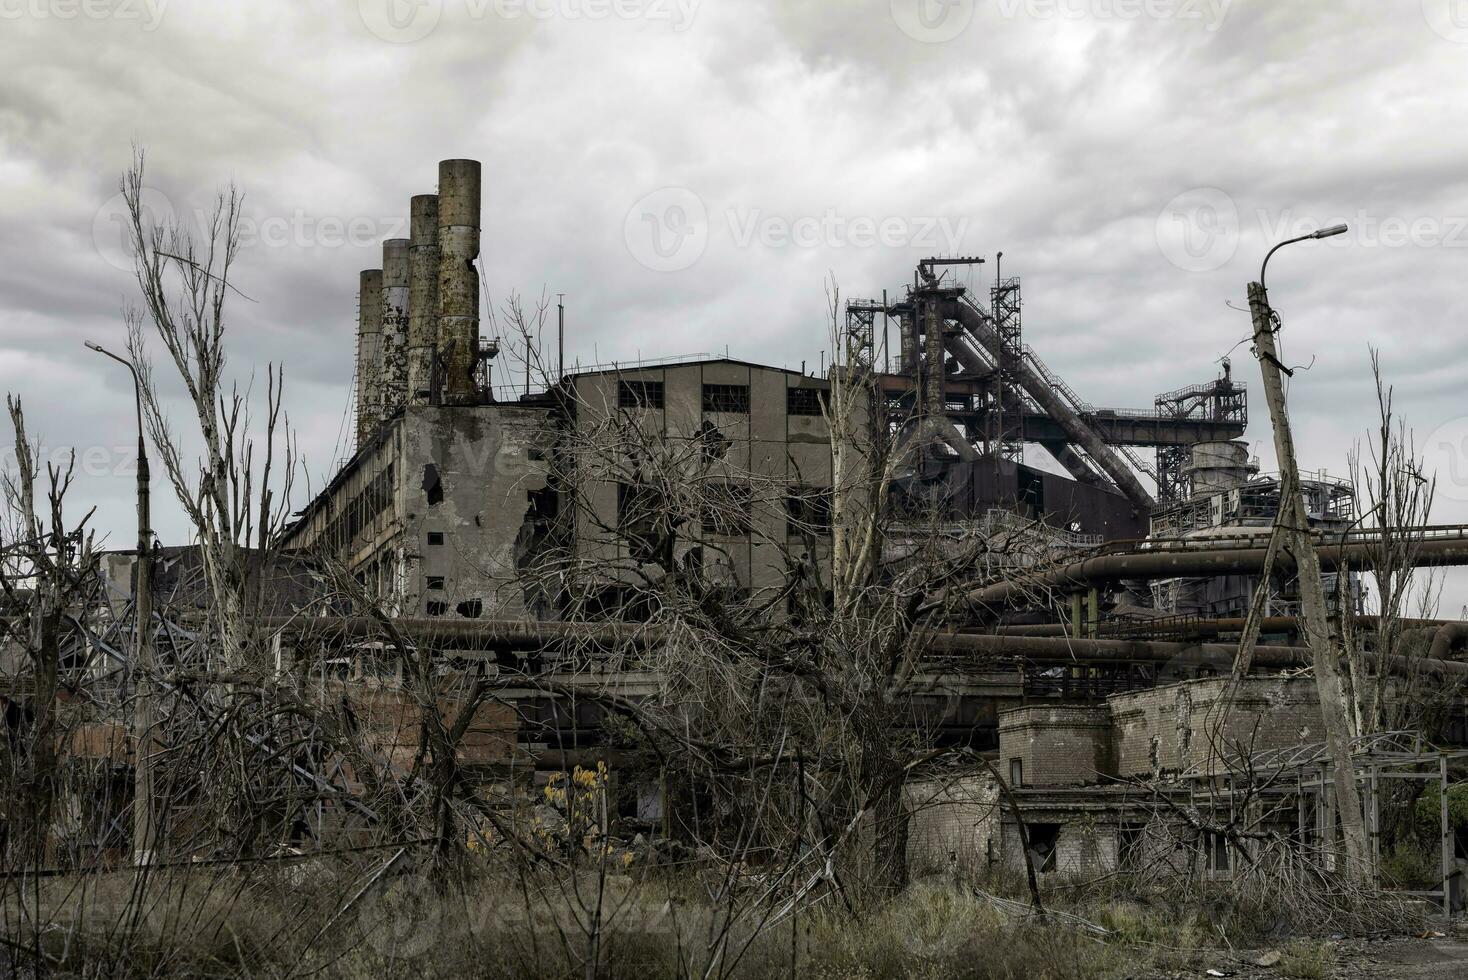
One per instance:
(745, 410)
(467, 485)
(434, 514)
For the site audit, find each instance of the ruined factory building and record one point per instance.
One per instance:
(1124, 552)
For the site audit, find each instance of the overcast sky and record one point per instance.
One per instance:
(688, 172)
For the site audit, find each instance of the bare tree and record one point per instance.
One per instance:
(1396, 501)
(236, 500)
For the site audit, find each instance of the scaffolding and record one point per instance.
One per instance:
(1218, 401)
(1304, 775)
(1004, 424)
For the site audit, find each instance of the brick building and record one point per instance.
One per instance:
(1072, 770)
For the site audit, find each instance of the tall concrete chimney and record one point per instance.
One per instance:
(458, 279)
(395, 312)
(422, 298)
(369, 354)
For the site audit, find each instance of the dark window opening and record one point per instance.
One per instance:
(1044, 842)
(638, 505)
(639, 394)
(805, 401)
(727, 509)
(808, 509)
(726, 398)
(711, 440)
(1218, 854)
(435, 582)
(1129, 846)
(1031, 487)
(432, 485)
(643, 521)
(437, 607)
(435, 538)
(471, 608)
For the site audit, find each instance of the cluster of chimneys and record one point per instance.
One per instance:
(418, 315)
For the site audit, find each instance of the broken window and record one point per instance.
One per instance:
(471, 608)
(435, 583)
(435, 538)
(436, 607)
(1218, 853)
(728, 509)
(713, 442)
(432, 485)
(726, 398)
(1129, 846)
(639, 394)
(808, 509)
(1031, 486)
(805, 401)
(1044, 842)
(643, 521)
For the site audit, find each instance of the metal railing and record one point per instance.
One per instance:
(1443, 532)
(645, 362)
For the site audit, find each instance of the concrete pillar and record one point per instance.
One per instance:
(369, 354)
(395, 311)
(458, 277)
(422, 298)
(937, 361)
(907, 345)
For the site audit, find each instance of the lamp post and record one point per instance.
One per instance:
(1295, 540)
(143, 823)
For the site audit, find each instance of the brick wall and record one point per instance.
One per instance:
(953, 826)
(1168, 729)
(1057, 746)
(1084, 848)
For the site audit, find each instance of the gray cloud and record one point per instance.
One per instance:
(1057, 132)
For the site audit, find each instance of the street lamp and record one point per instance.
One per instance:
(1330, 232)
(143, 656)
(1292, 532)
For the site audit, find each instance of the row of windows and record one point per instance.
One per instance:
(468, 609)
(360, 511)
(728, 509)
(719, 398)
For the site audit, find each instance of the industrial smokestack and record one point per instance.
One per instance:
(369, 354)
(422, 298)
(458, 279)
(395, 311)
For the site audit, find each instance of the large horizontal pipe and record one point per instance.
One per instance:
(515, 635)
(1213, 627)
(469, 634)
(1181, 563)
(1047, 649)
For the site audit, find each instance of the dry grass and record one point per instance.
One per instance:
(226, 924)
(482, 922)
